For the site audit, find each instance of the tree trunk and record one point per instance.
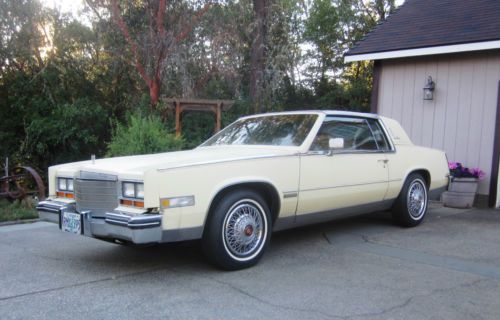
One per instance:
(258, 54)
(154, 91)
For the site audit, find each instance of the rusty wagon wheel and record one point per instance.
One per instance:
(24, 182)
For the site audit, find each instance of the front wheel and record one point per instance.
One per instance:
(238, 230)
(411, 205)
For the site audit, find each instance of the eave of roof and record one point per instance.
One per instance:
(456, 48)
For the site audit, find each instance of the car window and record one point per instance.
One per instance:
(356, 133)
(275, 130)
(379, 135)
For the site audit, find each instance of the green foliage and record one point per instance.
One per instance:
(334, 26)
(66, 87)
(327, 94)
(56, 102)
(69, 132)
(197, 127)
(324, 31)
(142, 135)
(17, 210)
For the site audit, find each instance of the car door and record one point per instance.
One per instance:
(353, 174)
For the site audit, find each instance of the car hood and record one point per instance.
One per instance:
(139, 164)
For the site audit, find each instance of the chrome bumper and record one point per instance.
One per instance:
(138, 229)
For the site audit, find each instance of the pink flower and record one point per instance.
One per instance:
(477, 173)
(453, 165)
(457, 170)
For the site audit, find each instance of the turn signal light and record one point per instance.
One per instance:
(139, 204)
(132, 203)
(68, 195)
(127, 202)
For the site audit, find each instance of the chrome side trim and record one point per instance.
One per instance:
(290, 194)
(49, 210)
(346, 151)
(317, 217)
(343, 186)
(52, 205)
(134, 222)
(182, 234)
(226, 161)
(349, 185)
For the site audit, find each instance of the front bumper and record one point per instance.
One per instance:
(138, 229)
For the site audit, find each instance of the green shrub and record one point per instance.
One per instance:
(68, 132)
(142, 135)
(17, 210)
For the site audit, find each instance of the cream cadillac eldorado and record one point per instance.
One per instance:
(260, 174)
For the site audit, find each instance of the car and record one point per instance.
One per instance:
(260, 174)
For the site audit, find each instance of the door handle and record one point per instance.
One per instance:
(384, 162)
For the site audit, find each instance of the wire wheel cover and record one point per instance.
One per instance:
(417, 199)
(244, 229)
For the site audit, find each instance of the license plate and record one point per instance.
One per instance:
(71, 222)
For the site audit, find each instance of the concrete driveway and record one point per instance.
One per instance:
(358, 268)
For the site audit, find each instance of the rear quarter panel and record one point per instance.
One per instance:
(410, 158)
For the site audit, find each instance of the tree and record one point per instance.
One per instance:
(258, 52)
(23, 34)
(157, 36)
(334, 26)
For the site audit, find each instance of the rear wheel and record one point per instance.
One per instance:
(411, 205)
(238, 230)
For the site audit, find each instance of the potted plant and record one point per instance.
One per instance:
(463, 186)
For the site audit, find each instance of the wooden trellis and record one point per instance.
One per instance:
(205, 105)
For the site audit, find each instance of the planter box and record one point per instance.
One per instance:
(463, 185)
(462, 200)
(461, 193)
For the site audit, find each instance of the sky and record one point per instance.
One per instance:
(74, 6)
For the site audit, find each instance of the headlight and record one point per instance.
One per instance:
(129, 190)
(139, 190)
(62, 183)
(65, 184)
(133, 190)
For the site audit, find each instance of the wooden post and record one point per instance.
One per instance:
(177, 118)
(496, 156)
(377, 68)
(218, 116)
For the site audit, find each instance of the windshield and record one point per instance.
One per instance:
(277, 130)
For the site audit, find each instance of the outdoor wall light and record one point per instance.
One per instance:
(429, 89)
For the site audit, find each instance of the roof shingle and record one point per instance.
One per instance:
(430, 23)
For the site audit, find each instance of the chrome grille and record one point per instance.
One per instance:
(98, 196)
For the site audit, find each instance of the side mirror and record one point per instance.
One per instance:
(336, 143)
